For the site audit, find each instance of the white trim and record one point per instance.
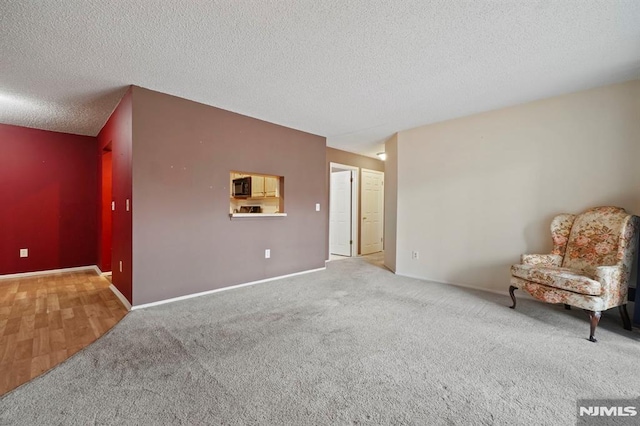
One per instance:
(120, 297)
(472, 287)
(355, 196)
(257, 214)
(204, 293)
(51, 271)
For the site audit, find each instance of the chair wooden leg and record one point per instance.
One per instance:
(567, 307)
(594, 319)
(513, 297)
(626, 321)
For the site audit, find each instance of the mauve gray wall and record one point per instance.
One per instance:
(350, 159)
(183, 239)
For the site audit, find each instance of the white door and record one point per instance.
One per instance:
(340, 213)
(372, 211)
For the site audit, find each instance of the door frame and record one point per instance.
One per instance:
(382, 213)
(355, 196)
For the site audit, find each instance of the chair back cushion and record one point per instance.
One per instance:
(560, 230)
(595, 239)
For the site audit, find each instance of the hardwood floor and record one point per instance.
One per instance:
(46, 319)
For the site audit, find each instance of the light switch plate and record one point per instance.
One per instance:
(24, 252)
(267, 253)
(317, 207)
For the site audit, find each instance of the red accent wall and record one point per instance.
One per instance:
(118, 132)
(47, 200)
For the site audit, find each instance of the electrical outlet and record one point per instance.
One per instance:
(24, 252)
(415, 255)
(267, 253)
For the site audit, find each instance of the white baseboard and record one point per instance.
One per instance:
(204, 293)
(472, 287)
(51, 271)
(120, 297)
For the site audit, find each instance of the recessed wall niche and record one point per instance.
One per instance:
(255, 194)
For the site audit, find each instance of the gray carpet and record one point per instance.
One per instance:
(353, 344)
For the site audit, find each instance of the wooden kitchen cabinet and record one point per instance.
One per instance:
(257, 186)
(271, 186)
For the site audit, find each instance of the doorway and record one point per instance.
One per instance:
(372, 212)
(106, 220)
(343, 210)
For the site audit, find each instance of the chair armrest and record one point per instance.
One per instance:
(611, 277)
(541, 259)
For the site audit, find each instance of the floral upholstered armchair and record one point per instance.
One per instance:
(589, 266)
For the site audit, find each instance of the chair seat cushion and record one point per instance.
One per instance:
(563, 278)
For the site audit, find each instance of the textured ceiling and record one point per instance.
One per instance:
(355, 71)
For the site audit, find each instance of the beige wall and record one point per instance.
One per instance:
(183, 239)
(476, 192)
(391, 202)
(354, 160)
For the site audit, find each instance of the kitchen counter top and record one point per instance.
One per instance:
(257, 214)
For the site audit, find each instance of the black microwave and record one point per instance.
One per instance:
(242, 187)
